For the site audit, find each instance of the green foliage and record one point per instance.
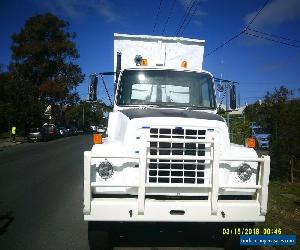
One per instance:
(239, 129)
(85, 114)
(279, 113)
(283, 211)
(42, 72)
(42, 54)
(220, 111)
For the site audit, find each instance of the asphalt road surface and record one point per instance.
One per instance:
(41, 203)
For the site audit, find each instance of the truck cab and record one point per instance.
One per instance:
(167, 156)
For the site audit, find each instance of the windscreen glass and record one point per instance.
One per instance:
(259, 131)
(166, 88)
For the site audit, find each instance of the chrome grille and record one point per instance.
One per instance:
(176, 171)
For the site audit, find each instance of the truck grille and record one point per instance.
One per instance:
(176, 171)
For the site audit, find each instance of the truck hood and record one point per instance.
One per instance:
(125, 126)
(143, 113)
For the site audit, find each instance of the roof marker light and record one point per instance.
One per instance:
(144, 62)
(184, 64)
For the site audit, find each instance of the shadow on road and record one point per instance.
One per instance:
(166, 235)
(5, 221)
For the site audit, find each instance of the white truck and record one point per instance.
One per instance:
(167, 156)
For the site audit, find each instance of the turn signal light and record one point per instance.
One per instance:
(251, 143)
(97, 138)
(184, 64)
(144, 62)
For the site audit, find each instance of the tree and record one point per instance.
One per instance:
(85, 114)
(5, 107)
(43, 68)
(279, 114)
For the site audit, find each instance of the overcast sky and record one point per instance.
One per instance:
(257, 64)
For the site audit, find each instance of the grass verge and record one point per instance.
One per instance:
(283, 210)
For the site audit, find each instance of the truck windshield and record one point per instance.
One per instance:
(259, 131)
(166, 88)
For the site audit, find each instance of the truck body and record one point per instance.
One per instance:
(167, 155)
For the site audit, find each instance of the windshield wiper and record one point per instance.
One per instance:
(150, 106)
(196, 107)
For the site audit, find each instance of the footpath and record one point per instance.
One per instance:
(7, 142)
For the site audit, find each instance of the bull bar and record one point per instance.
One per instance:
(133, 209)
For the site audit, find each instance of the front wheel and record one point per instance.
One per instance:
(98, 236)
(232, 243)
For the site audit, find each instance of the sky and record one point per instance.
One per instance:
(259, 65)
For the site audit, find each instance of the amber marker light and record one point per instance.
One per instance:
(144, 62)
(184, 64)
(251, 143)
(97, 138)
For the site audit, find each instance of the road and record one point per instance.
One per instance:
(41, 200)
(40, 189)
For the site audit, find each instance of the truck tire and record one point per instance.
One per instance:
(98, 236)
(232, 243)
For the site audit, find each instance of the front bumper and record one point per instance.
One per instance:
(112, 209)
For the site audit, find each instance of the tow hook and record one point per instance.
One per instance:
(223, 214)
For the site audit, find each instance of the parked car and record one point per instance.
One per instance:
(101, 129)
(70, 131)
(62, 131)
(51, 131)
(261, 136)
(36, 134)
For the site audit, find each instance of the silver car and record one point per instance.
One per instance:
(35, 134)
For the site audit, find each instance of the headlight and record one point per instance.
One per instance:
(105, 170)
(244, 172)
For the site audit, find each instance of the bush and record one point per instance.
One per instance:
(279, 113)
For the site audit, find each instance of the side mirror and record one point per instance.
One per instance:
(232, 96)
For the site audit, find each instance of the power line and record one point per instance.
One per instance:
(169, 15)
(106, 90)
(272, 40)
(157, 14)
(260, 10)
(223, 44)
(272, 35)
(191, 16)
(241, 32)
(184, 17)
